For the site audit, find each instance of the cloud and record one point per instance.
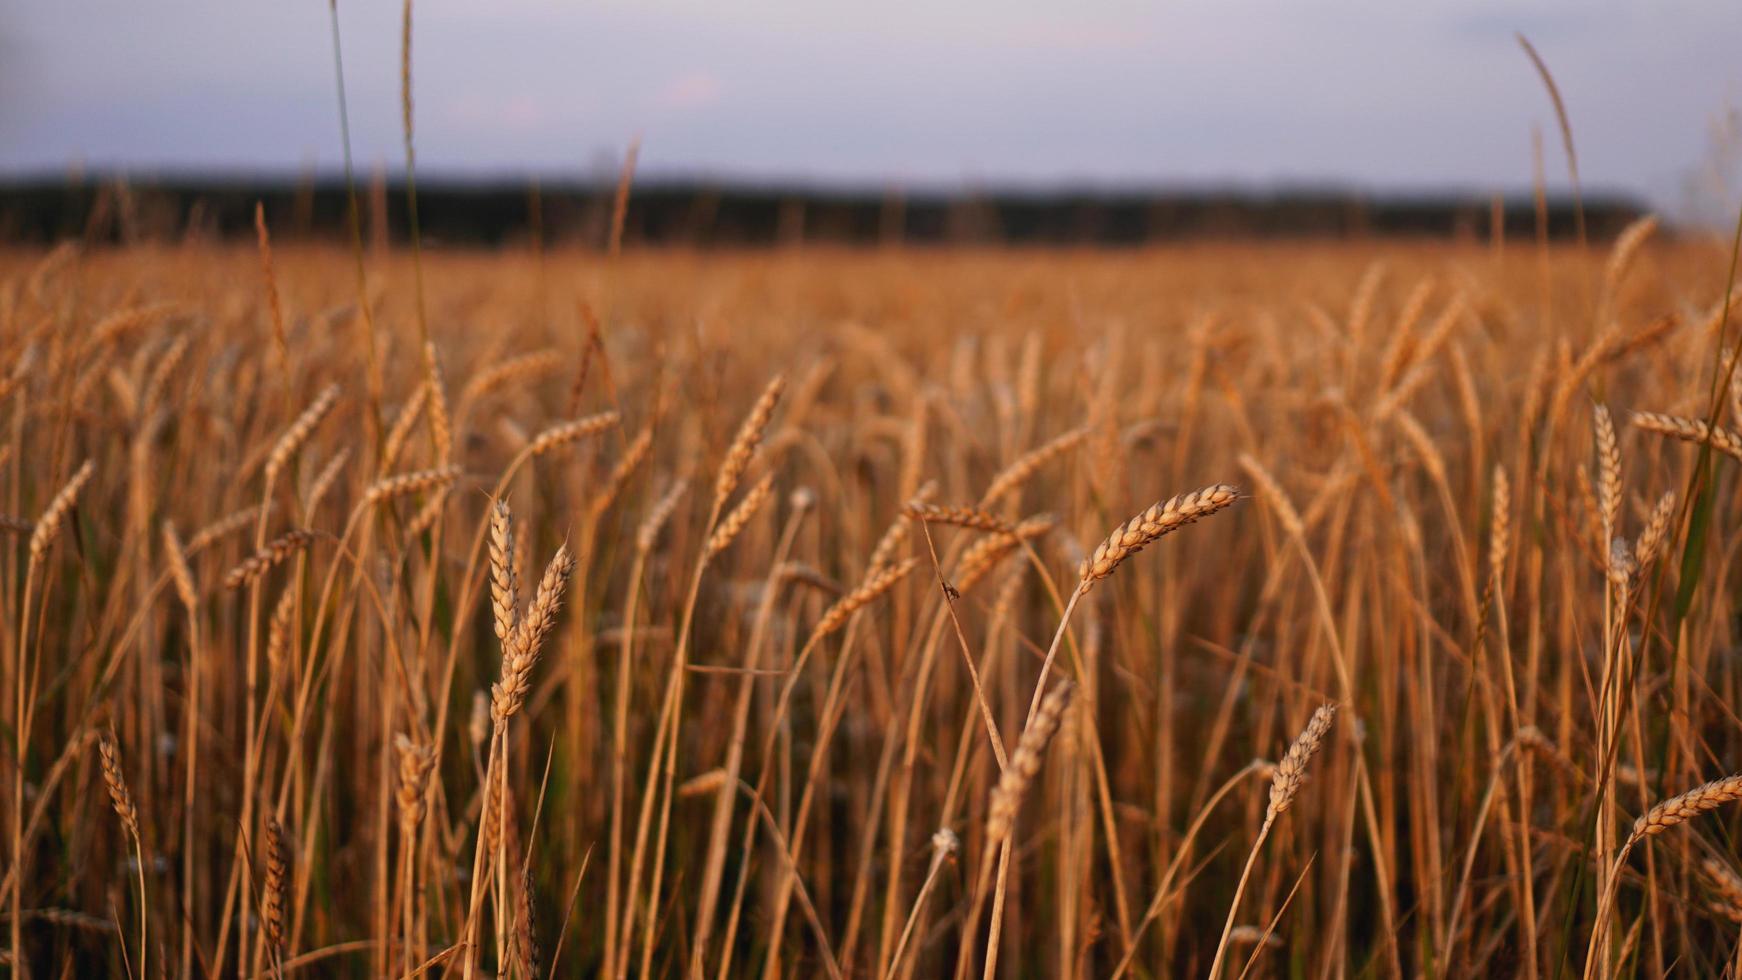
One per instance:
(691, 90)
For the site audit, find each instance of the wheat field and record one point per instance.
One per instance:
(806, 612)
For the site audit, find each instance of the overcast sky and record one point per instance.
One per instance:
(1377, 94)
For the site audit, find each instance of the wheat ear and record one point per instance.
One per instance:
(275, 890)
(1680, 809)
(734, 523)
(406, 484)
(299, 432)
(568, 433)
(263, 561)
(744, 444)
(1285, 784)
(1656, 533)
(1608, 468)
(647, 534)
(968, 517)
(1012, 477)
(1690, 430)
(520, 651)
(49, 524)
(1159, 520)
(874, 586)
(1024, 765)
(109, 755)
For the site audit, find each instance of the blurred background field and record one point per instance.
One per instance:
(706, 517)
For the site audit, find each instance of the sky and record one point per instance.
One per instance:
(1386, 97)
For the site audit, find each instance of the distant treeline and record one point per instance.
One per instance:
(701, 214)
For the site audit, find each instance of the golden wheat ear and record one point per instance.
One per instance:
(1159, 520)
